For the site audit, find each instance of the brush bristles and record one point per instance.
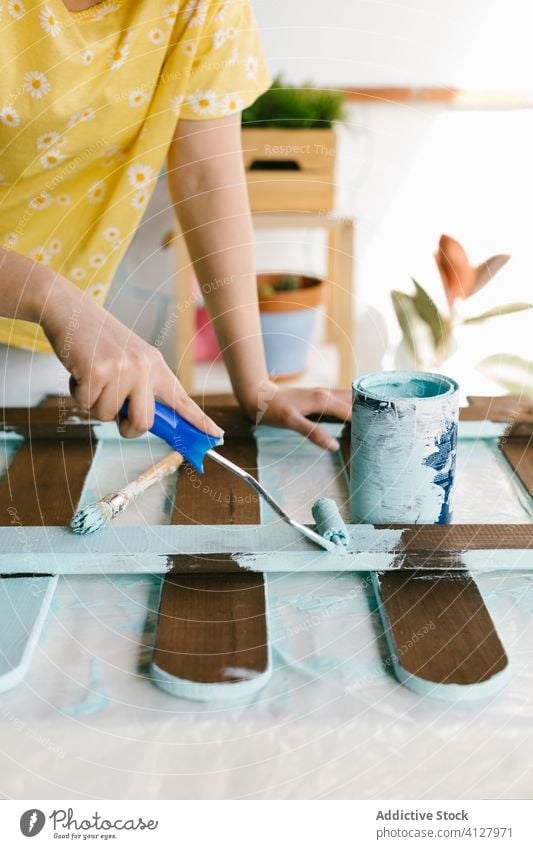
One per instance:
(89, 519)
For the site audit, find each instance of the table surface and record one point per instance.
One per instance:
(332, 723)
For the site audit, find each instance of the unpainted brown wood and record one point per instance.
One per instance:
(515, 410)
(43, 483)
(519, 453)
(218, 497)
(427, 539)
(441, 629)
(211, 628)
(211, 623)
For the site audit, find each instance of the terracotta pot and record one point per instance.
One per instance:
(289, 321)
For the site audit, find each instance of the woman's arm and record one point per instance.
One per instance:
(208, 186)
(108, 362)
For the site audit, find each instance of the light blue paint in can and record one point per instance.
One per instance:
(404, 442)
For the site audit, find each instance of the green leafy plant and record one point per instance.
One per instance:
(423, 325)
(294, 107)
(513, 373)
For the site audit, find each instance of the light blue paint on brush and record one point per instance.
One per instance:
(329, 523)
(404, 441)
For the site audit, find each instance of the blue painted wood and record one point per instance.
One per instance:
(24, 604)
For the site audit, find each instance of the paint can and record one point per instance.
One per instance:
(403, 447)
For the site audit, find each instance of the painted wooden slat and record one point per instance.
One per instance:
(212, 640)
(441, 638)
(42, 486)
(262, 548)
(24, 604)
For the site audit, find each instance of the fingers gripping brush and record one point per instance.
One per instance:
(194, 445)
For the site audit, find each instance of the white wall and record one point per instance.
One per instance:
(465, 43)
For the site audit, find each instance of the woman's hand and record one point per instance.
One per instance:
(109, 363)
(289, 408)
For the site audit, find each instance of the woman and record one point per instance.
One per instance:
(94, 96)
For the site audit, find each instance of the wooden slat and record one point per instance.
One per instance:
(441, 631)
(516, 410)
(519, 453)
(212, 636)
(43, 484)
(441, 636)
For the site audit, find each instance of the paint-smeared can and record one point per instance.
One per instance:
(404, 442)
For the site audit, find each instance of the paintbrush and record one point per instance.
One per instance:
(194, 444)
(89, 519)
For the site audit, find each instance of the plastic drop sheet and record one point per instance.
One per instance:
(332, 723)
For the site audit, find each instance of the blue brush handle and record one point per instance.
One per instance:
(181, 435)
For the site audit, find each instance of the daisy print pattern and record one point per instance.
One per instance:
(139, 199)
(170, 13)
(203, 102)
(97, 260)
(16, 9)
(251, 66)
(231, 103)
(41, 201)
(41, 254)
(156, 36)
(48, 139)
(137, 97)
(51, 158)
(111, 156)
(195, 12)
(219, 39)
(140, 175)
(119, 56)
(9, 116)
(176, 104)
(112, 235)
(87, 114)
(49, 22)
(90, 107)
(36, 83)
(96, 192)
(233, 56)
(10, 240)
(73, 119)
(97, 290)
(189, 48)
(223, 11)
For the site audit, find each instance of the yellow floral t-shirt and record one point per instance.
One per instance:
(88, 107)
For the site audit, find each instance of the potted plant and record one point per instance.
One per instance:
(290, 147)
(428, 333)
(289, 308)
